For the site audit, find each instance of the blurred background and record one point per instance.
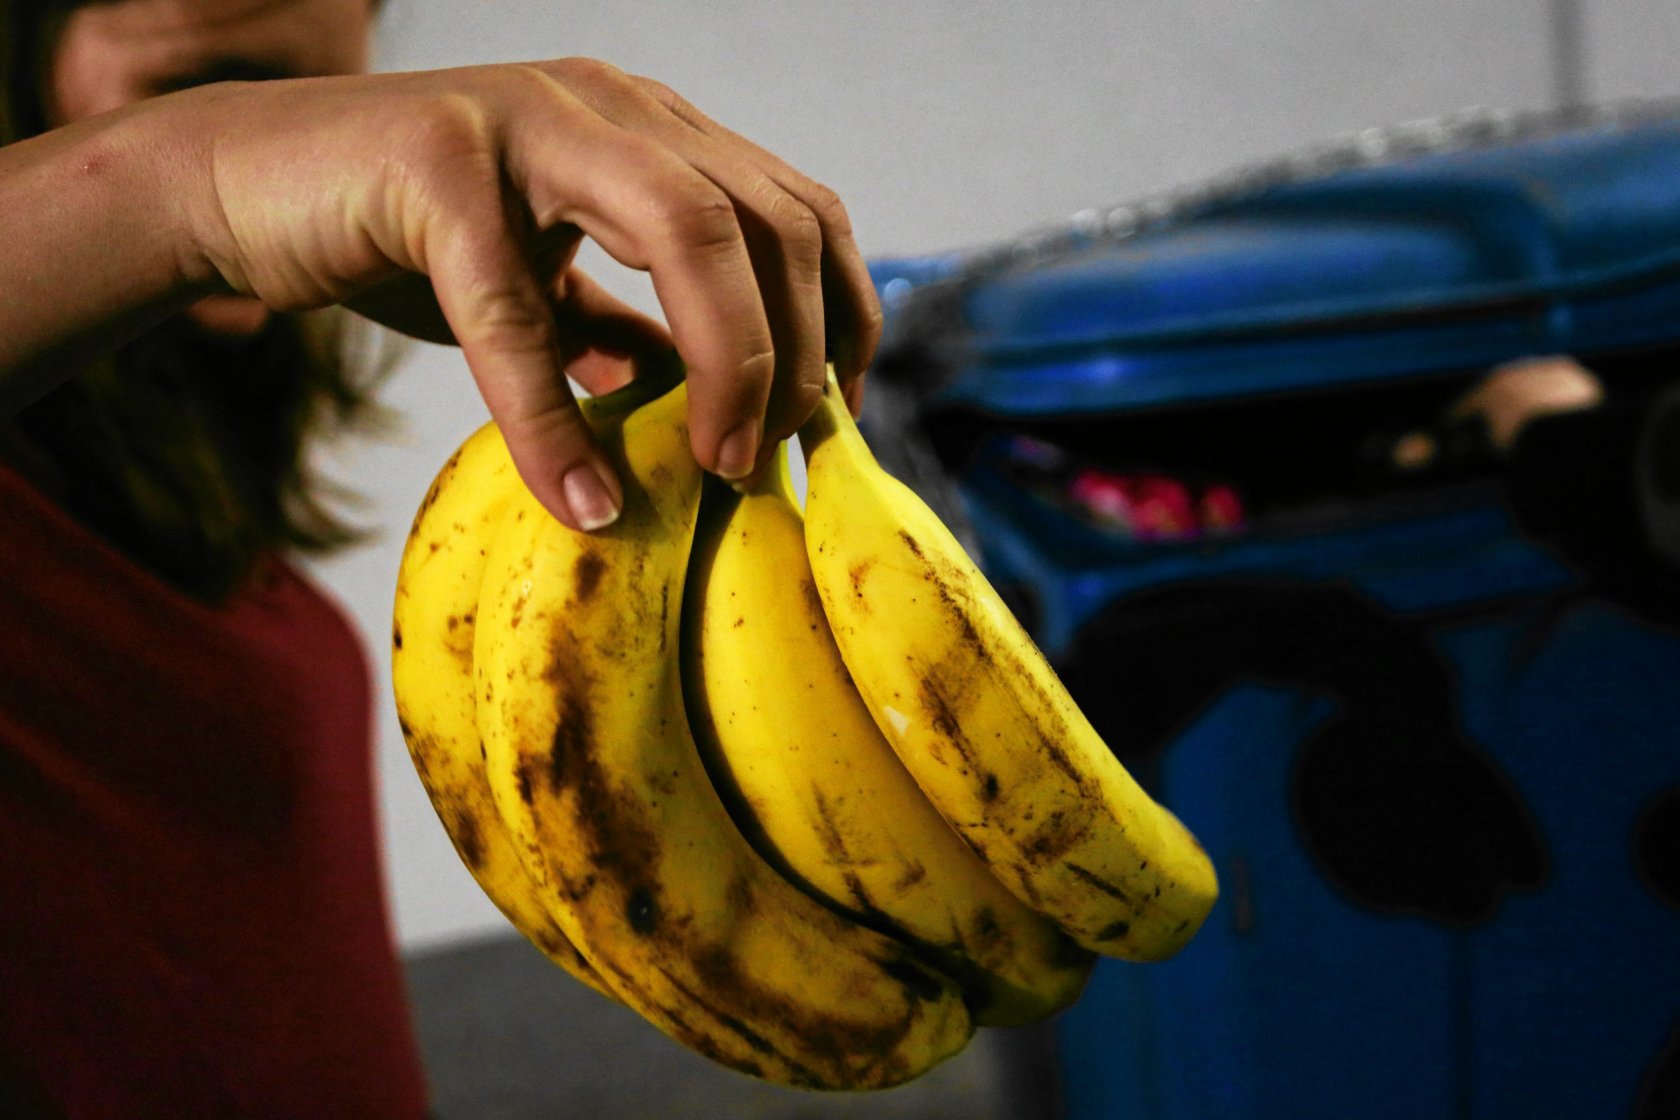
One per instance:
(943, 125)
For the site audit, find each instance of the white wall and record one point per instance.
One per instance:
(1631, 48)
(941, 124)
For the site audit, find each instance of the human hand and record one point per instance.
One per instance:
(1512, 395)
(450, 205)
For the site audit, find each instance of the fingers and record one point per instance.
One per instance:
(650, 209)
(504, 322)
(852, 318)
(750, 259)
(753, 263)
(853, 310)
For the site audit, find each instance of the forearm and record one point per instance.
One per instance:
(95, 243)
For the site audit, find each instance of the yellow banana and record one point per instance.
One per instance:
(592, 766)
(821, 795)
(981, 720)
(431, 673)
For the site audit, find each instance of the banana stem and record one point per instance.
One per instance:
(832, 421)
(649, 385)
(778, 477)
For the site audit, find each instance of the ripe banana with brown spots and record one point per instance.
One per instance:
(593, 768)
(979, 717)
(816, 788)
(431, 672)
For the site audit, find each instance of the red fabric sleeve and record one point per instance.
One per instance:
(192, 911)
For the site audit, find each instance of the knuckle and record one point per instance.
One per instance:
(793, 223)
(744, 389)
(525, 82)
(700, 217)
(504, 320)
(447, 126)
(756, 371)
(800, 230)
(830, 211)
(672, 102)
(590, 72)
(803, 398)
(659, 91)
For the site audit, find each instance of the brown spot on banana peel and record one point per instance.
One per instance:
(1097, 882)
(444, 477)
(464, 830)
(985, 929)
(619, 839)
(609, 827)
(943, 718)
(840, 1044)
(802, 1075)
(936, 572)
(828, 830)
(857, 574)
(664, 614)
(1056, 836)
(957, 607)
(864, 909)
(1059, 759)
(1114, 931)
(860, 905)
(813, 598)
(527, 785)
(740, 895)
(920, 985)
(461, 648)
(914, 874)
(642, 911)
(551, 941)
(573, 738)
(586, 575)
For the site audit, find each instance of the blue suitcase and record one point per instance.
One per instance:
(1438, 765)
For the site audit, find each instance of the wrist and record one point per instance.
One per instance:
(174, 143)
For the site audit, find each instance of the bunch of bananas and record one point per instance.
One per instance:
(795, 787)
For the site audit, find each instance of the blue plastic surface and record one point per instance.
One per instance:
(1296, 1001)
(1321, 1010)
(1451, 261)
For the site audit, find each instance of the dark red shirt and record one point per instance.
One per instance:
(192, 908)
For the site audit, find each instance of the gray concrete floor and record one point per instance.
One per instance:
(508, 1036)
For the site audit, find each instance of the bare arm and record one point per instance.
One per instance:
(449, 202)
(93, 246)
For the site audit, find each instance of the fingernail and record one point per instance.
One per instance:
(738, 452)
(747, 482)
(592, 504)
